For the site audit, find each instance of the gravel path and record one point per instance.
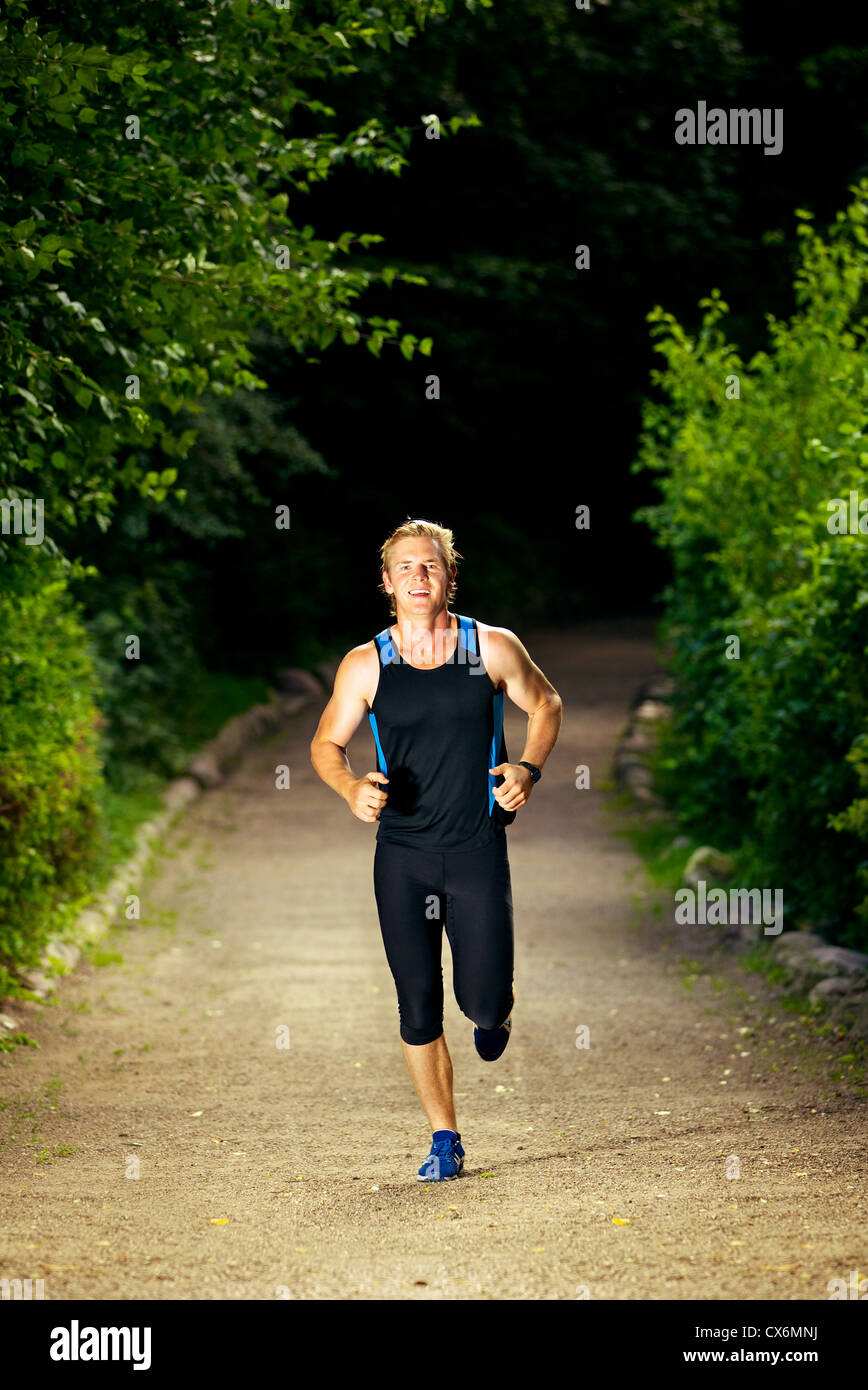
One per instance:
(601, 1169)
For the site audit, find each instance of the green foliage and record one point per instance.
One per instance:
(855, 817)
(141, 695)
(772, 747)
(211, 582)
(49, 765)
(156, 165)
(152, 226)
(9, 1041)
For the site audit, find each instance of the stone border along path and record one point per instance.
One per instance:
(824, 974)
(705, 1145)
(206, 769)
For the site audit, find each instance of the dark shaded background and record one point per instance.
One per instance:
(542, 367)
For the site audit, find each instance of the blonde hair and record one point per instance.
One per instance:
(441, 534)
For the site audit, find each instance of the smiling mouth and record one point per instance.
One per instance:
(420, 593)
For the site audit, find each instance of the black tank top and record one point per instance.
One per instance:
(437, 733)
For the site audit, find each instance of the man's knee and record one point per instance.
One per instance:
(420, 1008)
(488, 1013)
(419, 1036)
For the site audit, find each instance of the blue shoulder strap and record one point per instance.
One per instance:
(498, 747)
(466, 633)
(384, 645)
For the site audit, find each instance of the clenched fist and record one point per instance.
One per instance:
(516, 788)
(365, 798)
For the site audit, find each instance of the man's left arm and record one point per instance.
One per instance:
(512, 670)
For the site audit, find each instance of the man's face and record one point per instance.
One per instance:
(418, 577)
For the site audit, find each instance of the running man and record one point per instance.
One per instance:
(431, 686)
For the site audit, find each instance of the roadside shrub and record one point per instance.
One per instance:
(143, 697)
(767, 612)
(50, 777)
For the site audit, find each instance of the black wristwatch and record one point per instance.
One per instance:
(534, 771)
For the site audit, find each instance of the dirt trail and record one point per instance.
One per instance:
(261, 916)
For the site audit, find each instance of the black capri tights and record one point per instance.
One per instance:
(469, 891)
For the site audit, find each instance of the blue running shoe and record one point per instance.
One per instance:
(446, 1158)
(491, 1042)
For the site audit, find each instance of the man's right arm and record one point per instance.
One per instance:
(341, 717)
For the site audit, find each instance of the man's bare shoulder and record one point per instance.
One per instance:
(359, 670)
(497, 634)
(499, 648)
(501, 639)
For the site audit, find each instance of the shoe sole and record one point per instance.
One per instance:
(498, 1055)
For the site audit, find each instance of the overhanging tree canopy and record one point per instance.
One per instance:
(152, 217)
